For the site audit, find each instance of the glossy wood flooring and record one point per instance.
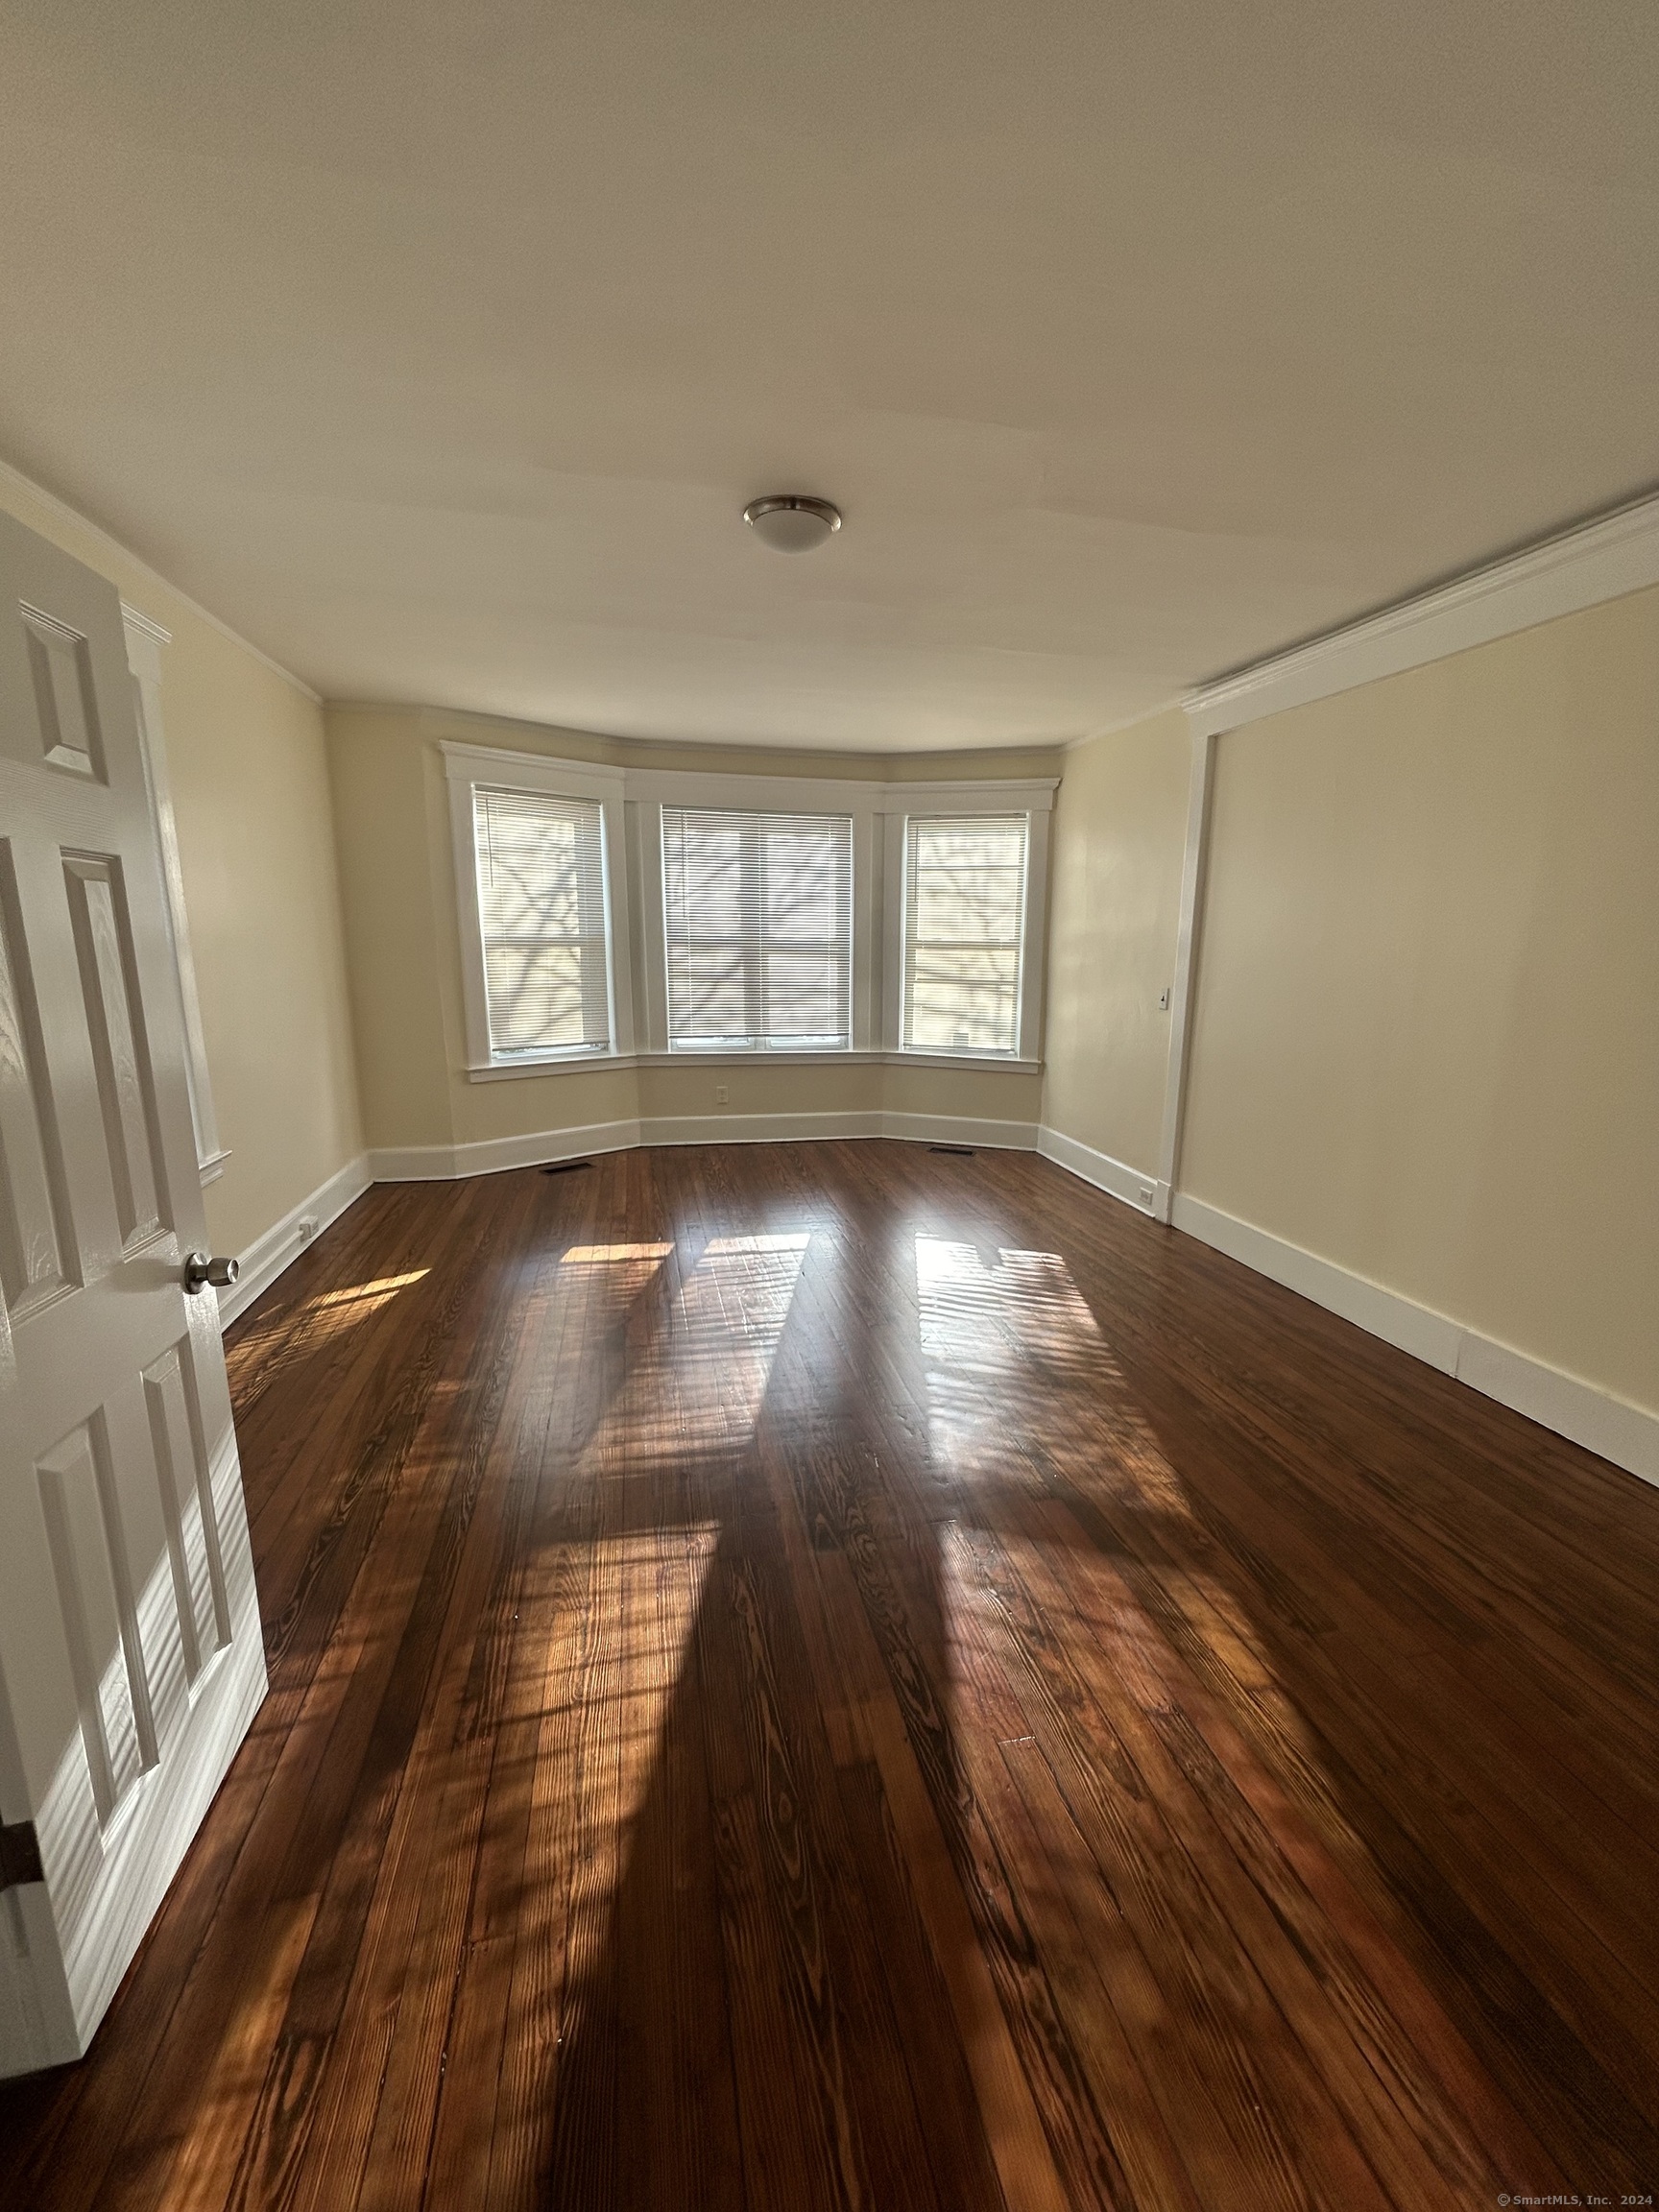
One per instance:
(840, 1675)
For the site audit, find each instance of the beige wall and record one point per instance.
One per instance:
(392, 927)
(392, 825)
(250, 784)
(1120, 831)
(1426, 1042)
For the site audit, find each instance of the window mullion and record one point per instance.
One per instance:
(754, 909)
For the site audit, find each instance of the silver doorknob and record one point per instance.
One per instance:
(200, 1270)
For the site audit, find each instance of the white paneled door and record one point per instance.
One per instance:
(130, 1655)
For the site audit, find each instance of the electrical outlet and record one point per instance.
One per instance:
(719, 1093)
(1145, 1194)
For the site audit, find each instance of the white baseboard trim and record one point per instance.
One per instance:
(1619, 1431)
(494, 1155)
(758, 1128)
(802, 1128)
(283, 1242)
(1113, 1176)
(959, 1129)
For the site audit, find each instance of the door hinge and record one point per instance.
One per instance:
(20, 1855)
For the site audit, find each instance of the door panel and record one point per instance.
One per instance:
(65, 695)
(131, 1655)
(99, 1619)
(193, 1543)
(36, 1234)
(115, 1032)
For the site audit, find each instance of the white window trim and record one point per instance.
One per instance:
(144, 642)
(469, 767)
(650, 791)
(1035, 801)
(633, 799)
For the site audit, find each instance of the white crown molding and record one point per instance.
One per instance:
(1581, 567)
(993, 795)
(144, 642)
(144, 624)
(65, 513)
(653, 784)
(536, 771)
(653, 756)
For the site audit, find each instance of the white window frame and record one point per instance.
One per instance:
(144, 642)
(469, 768)
(931, 801)
(754, 986)
(650, 790)
(633, 799)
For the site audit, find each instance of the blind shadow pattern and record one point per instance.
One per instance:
(758, 912)
(964, 930)
(540, 864)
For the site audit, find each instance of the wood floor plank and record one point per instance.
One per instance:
(1366, 2062)
(1276, 1708)
(833, 1675)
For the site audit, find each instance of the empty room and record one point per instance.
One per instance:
(828, 1106)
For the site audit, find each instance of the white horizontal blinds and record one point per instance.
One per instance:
(541, 909)
(757, 911)
(964, 931)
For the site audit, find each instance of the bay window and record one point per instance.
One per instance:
(609, 913)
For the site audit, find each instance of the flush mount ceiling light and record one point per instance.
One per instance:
(790, 522)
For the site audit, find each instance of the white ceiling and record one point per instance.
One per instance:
(437, 347)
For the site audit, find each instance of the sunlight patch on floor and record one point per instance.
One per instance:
(375, 1293)
(255, 1358)
(603, 1748)
(1027, 1402)
(613, 1255)
(695, 1382)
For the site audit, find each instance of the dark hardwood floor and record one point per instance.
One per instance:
(838, 1676)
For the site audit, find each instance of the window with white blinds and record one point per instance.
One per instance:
(758, 914)
(540, 868)
(964, 931)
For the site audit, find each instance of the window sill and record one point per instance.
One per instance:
(1010, 1063)
(546, 1064)
(564, 1064)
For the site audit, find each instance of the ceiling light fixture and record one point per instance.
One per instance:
(790, 522)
